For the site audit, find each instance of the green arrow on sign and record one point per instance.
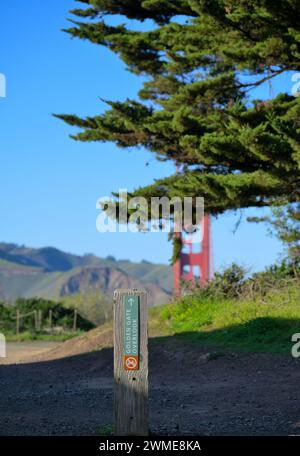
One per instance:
(131, 325)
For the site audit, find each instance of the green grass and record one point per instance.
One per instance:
(28, 336)
(106, 430)
(248, 325)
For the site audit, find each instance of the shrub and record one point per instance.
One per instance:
(61, 316)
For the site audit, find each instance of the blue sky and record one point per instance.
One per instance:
(50, 184)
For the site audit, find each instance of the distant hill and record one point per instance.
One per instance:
(51, 273)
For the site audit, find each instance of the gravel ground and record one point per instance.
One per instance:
(192, 391)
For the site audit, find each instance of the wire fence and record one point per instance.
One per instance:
(39, 320)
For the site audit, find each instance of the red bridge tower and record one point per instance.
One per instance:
(194, 262)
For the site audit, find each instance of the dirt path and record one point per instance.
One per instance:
(192, 391)
(20, 351)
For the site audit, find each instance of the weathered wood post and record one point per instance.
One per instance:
(75, 320)
(18, 322)
(131, 362)
(39, 319)
(50, 320)
(36, 320)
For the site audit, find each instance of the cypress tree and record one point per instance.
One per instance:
(201, 59)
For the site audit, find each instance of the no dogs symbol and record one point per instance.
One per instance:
(131, 362)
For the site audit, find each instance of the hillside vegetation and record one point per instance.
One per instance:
(35, 321)
(259, 314)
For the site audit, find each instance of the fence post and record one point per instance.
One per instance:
(36, 320)
(131, 362)
(39, 319)
(18, 322)
(50, 320)
(75, 320)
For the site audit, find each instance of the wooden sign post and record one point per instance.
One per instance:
(131, 362)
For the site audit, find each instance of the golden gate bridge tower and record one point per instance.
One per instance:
(195, 259)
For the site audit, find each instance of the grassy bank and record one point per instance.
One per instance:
(261, 325)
